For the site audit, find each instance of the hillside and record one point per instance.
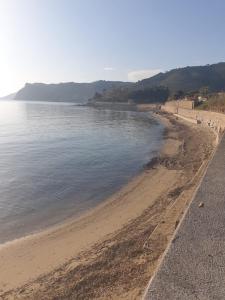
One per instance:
(154, 89)
(69, 91)
(159, 88)
(189, 79)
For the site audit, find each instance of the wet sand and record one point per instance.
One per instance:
(112, 251)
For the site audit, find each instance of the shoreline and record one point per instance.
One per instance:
(65, 247)
(75, 217)
(62, 216)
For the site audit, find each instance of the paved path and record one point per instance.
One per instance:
(194, 266)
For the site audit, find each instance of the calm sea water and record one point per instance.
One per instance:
(58, 160)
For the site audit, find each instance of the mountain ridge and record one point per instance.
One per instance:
(186, 79)
(190, 78)
(66, 91)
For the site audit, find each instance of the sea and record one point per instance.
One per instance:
(59, 160)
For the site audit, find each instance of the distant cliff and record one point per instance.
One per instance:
(69, 91)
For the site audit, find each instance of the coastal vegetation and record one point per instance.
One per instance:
(215, 102)
(148, 95)
(175, 84)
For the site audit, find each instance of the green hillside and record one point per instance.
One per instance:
(159, 88)
(189, 79)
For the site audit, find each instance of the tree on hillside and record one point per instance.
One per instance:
(150, 95)
(179, 95)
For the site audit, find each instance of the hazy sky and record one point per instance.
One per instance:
(87, 40)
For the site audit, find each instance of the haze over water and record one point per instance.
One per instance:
(58, 160)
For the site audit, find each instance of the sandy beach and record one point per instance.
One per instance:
(112, 251)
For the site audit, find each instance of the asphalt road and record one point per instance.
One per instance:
(194, 265)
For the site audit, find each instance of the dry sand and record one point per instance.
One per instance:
(112, 251)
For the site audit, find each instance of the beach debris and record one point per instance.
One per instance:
(176, 192)
(152, 163)
(201, 204)
(176, 223)
(21, 291)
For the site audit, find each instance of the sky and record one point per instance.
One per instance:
(86, 40)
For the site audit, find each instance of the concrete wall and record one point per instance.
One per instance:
(173, 106)
(148, 107)
(212, 119)
(215, 121)
(170, 106)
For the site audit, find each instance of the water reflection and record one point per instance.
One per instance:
(12, 112)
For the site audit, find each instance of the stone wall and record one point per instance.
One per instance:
(173, 106)
(212, 119)
(216, 121)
